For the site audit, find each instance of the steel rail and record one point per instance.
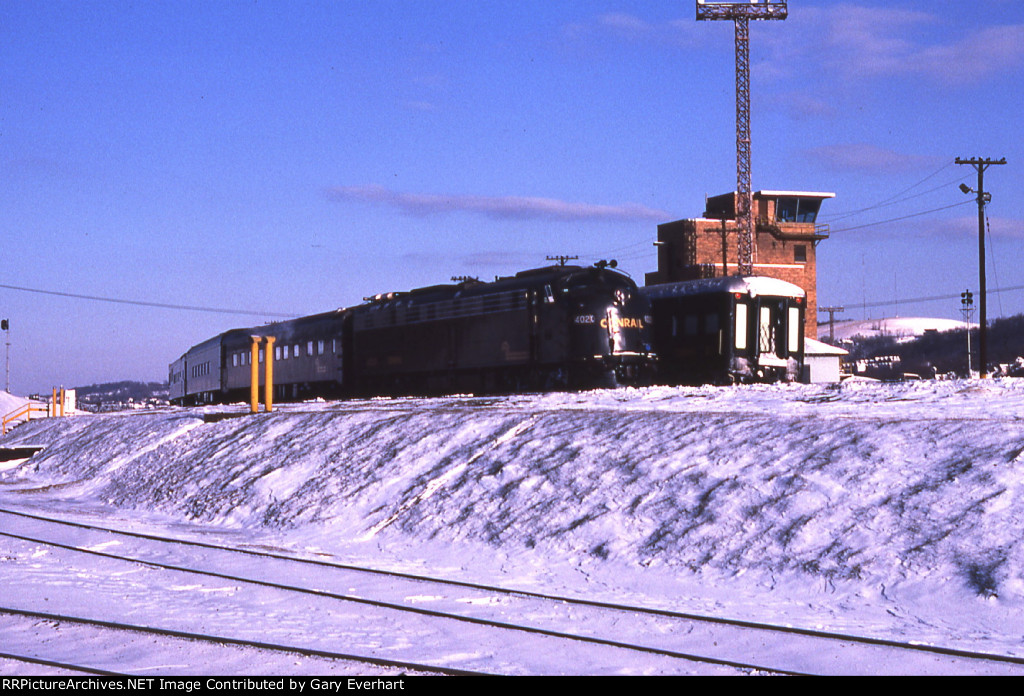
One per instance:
(666, 613)
(402, 608)
(275, 647)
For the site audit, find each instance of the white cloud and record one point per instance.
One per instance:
(977, 56)
(859, 42)
(847, 40)
(628, 27)
(478, 262)
(863, 157)
(501, 207)
(800, 106)
(997, 227)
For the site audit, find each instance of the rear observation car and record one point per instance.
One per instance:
(728, 330)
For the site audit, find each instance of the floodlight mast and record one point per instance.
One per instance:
(741, 14)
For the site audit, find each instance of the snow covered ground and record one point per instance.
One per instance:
(10, 403)
(884, 510)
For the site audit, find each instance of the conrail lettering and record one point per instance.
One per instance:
(622, 323)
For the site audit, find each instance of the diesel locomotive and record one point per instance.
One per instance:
(552, 328)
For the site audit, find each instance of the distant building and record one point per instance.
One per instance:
(786, 232)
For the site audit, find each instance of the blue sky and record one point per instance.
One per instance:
(291, 157)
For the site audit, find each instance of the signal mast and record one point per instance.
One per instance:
(741, 14)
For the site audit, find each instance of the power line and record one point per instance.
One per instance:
(932, 298)
(619, 252)
(894, 198)
(890, 202)
(144, 303)
(938, 171)
(902, 217)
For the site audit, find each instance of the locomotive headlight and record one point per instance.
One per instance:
(613, 325)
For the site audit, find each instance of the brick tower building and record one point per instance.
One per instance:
(786, 241)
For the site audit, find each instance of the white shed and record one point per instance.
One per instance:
(821, 362)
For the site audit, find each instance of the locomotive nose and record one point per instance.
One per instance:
(626, 330)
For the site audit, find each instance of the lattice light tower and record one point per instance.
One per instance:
(741, 13)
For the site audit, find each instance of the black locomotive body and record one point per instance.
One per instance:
(728, 330)
(560, 327)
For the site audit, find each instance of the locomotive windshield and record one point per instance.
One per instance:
(597, 281)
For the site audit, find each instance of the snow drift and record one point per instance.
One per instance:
(873, 484)
(9, 402)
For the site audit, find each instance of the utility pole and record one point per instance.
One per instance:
(741, 14)
(831, 320)
(981, 165)
(561, 259)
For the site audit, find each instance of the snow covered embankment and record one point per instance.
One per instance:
(878, 484)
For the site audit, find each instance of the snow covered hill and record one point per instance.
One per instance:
(897, 327)
(877, 505)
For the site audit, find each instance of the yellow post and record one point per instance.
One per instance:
(268, 387)
(254, 374)
(63, 396)
(53, 404)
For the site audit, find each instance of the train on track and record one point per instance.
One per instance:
(546, 329)
(552, 328)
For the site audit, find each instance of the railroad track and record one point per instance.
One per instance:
(215, 649)
(59, 668)
(618, 638)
